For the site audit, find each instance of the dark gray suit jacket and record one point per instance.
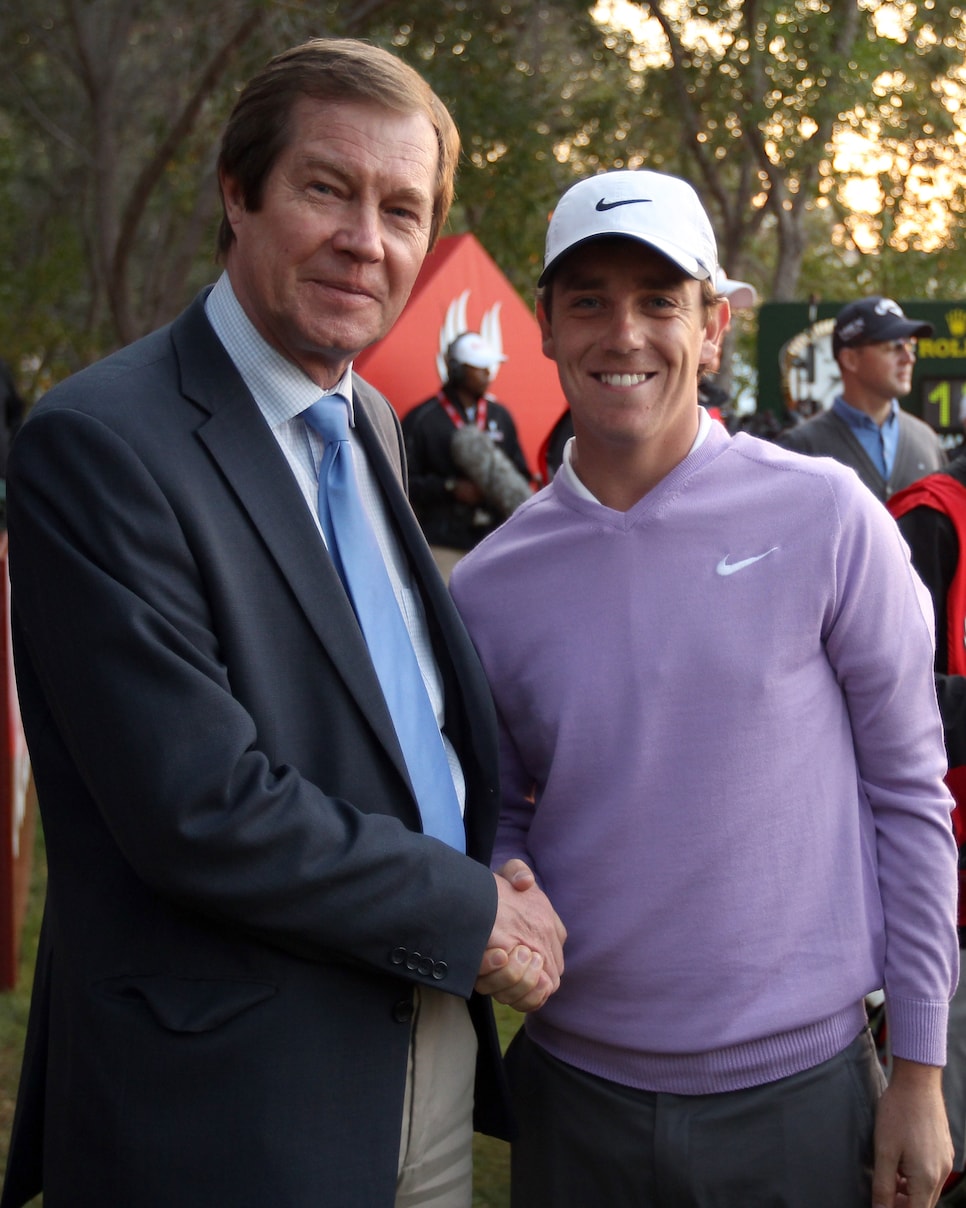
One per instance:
(240, 900)
(828, 435)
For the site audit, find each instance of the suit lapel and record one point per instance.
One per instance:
(470, 716)
(446, 630)
(247, 454)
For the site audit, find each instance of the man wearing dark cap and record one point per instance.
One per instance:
(873, 343)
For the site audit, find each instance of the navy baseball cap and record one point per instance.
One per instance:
(874, 321)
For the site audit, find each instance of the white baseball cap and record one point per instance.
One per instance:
(471, 349)
(662, 211)
(740, 294)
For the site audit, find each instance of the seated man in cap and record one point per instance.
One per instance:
(874, 345)
(462, 487)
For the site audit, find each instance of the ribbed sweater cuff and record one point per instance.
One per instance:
(917, 1029)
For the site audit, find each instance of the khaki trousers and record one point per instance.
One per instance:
(436, 1147)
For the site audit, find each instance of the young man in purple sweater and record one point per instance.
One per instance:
(723, 758)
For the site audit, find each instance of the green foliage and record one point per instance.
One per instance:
(520, 81)
(110, 112)
(491, 1158)
(762, 95)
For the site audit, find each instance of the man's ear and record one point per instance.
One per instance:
(719, 320)
(232, 198)
(847, 359)
(545, 331)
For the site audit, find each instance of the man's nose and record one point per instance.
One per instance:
(360, 232)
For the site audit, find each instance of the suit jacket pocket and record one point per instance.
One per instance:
(187, 1005)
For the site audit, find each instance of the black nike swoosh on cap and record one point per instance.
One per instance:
(626, 201)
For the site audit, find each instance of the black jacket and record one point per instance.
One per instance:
(428, 433)
(240, 899)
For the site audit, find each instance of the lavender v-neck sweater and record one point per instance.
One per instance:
(722, 756)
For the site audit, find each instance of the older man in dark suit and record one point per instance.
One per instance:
(256, 962)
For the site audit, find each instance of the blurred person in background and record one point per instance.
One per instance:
(467, 471)
(874, 344)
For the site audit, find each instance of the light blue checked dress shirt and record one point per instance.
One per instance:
(282, 392)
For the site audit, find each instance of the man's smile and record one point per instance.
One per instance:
(623, 379)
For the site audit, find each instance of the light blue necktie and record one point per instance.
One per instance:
(358, 559)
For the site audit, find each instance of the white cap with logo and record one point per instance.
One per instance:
(662, 211)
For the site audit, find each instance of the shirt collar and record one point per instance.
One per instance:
(570, 474)
(859, 419)
(280, 388)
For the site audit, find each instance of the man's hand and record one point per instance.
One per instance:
(523, 961)
(913, 1152)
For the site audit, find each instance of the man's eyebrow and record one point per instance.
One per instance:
(589, 279)
(313, 160)
(576, 280)
(334, 168)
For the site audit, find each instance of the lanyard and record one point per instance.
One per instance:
(457, 419)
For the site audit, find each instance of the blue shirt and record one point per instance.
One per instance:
(282, 391)
(879, 441)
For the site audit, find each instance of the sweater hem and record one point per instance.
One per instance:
(733, 1068)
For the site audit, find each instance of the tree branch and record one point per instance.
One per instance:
(154, 169)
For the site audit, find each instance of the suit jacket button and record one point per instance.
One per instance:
(397, 956)
(412, 961)
(440, 969)
(425, 967)
(402, 1011)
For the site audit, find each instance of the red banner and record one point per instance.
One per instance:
(17, 809)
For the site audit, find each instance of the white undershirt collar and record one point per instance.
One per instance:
(570, 474)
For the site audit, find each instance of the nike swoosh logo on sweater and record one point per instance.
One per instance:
(725, 567)
(627, 201)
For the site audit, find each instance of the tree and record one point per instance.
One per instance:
(524, 82)
(763, 92)
(110, 113)
(106, 102)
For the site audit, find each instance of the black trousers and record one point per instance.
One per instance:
(805, 1141)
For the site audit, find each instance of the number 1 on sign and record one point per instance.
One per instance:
(941, 396)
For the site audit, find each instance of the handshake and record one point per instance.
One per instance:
(523, 961)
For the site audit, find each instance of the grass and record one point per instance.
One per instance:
(491, 1157)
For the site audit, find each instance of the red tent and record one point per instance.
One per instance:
(460, 289)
